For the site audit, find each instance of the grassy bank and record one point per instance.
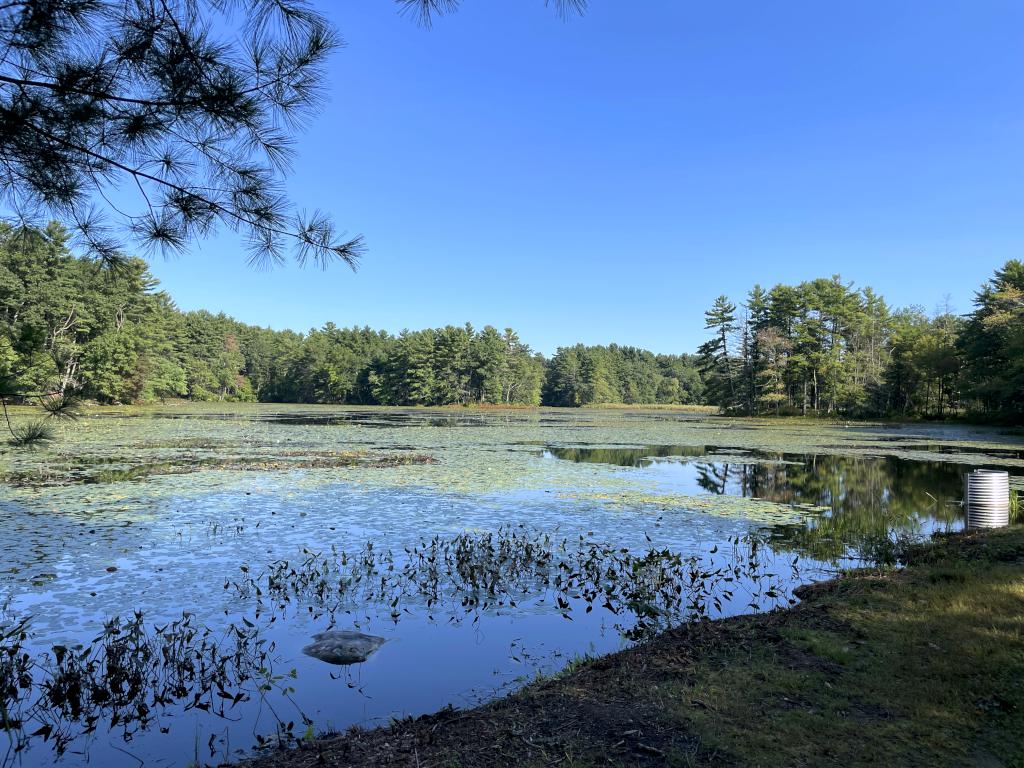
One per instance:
(923, 666)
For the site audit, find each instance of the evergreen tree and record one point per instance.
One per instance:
(715, 362)
(522, 373)
(772, 349)
(167, 101)
(453, 363)
(753, 357)
(992, 343)
(596, 388)
(563, 382)
(490, 362)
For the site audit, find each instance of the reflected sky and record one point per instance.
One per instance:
(72, 555)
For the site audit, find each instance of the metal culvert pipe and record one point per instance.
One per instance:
(987, 498)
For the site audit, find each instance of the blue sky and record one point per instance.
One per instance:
(604, 178)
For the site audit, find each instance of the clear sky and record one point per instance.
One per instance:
(604, 178)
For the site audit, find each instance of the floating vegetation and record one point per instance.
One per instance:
(627, 456)
(517, 567)
(188, 443)
(758, 510)
(130, 675)
(152, 507)
(649, 455)
(959, 448)
(84, 471)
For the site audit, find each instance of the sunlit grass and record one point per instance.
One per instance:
(922, 667)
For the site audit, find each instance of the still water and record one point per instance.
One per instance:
(282, 521)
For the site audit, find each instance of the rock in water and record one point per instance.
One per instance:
(343, 646)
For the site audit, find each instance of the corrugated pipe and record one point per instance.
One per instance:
(987, 498)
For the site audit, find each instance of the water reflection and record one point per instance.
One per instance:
(870, 499)
(867, 497)
(131, 678)
(1002, 453)
(628, 457)
(75, 555)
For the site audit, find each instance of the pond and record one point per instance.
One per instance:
(483, 548)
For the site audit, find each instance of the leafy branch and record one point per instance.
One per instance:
(176, 128)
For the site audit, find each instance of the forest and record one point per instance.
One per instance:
(826, 347)
(114, 337)
(821, 347)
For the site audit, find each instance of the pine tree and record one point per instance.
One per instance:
(715, 362)
(596, 388)
(753, 362)
(992, 343)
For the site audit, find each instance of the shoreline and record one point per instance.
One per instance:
(920, 666)
(90, 407)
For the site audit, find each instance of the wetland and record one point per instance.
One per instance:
(162, 568)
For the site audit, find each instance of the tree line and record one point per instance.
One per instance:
(68, 325)
(826, 347)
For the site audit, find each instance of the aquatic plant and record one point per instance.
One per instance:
(753, 509)
(130, 673)
(69, 514)
(127, 676)
(113, 469)
(515, 566)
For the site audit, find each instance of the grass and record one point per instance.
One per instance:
(922, 666)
